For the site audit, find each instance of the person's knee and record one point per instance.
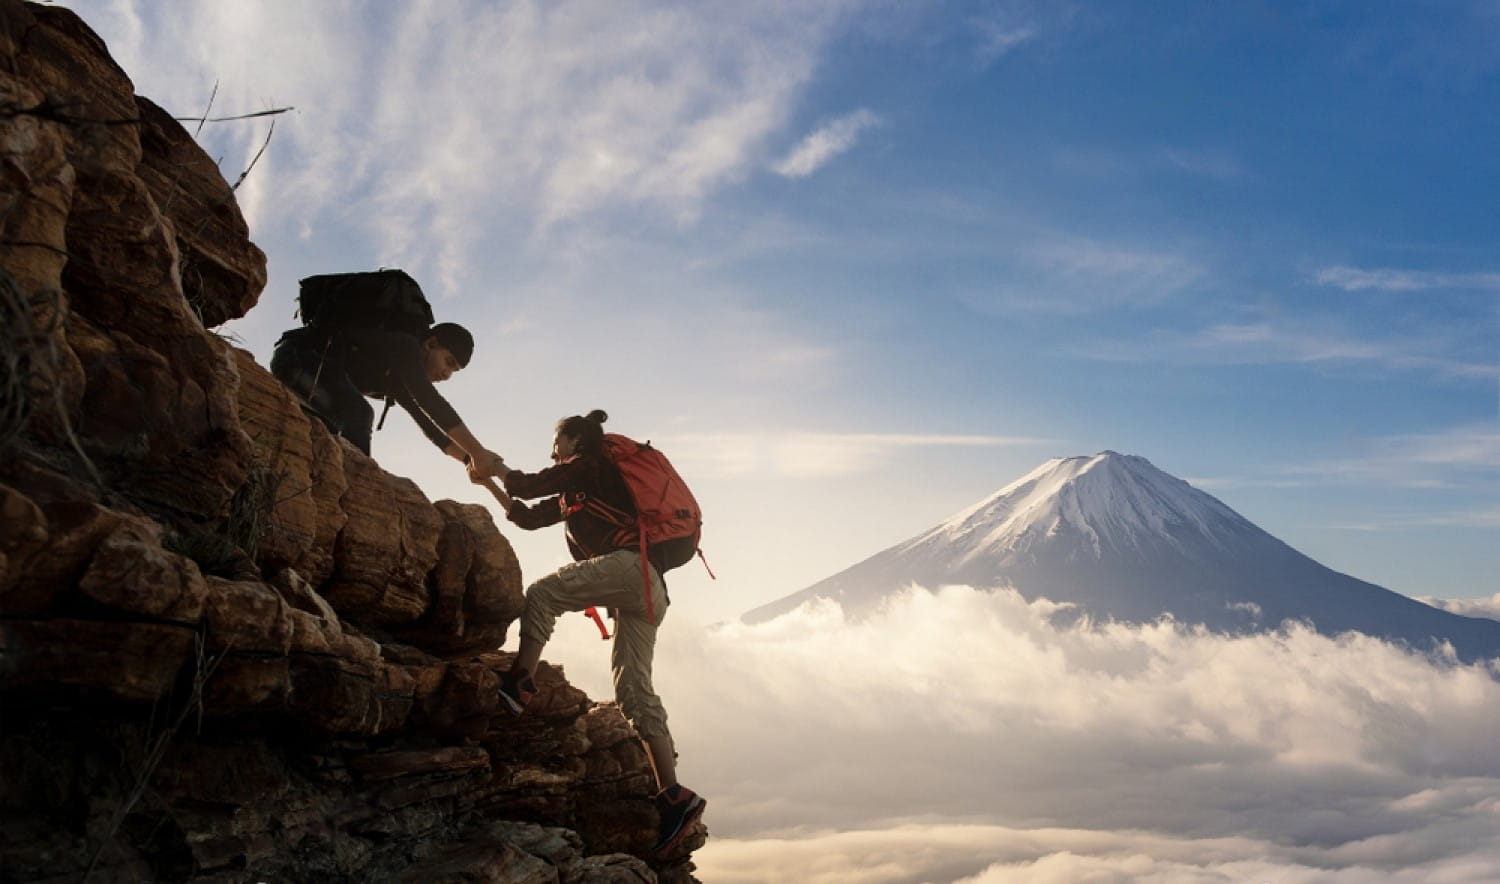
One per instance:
(543, 593)
(541, 610)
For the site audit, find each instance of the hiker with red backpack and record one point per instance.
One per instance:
(629, 518)
(371, 334)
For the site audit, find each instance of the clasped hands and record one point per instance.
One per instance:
(485, 466)
(484, 469)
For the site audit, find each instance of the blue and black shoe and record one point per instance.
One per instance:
(516, 690)
(679, 807)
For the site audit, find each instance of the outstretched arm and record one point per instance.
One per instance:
(411, 388)
(504, 499)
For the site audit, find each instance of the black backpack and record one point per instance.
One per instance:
(379, 299)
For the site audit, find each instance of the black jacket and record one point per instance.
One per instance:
(385, 364)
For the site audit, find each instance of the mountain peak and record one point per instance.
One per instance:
(1106, 501)
(1117, 538)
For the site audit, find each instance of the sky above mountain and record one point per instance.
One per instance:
(857, 264)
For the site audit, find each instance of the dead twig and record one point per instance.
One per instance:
(206, 119)
(265, 144)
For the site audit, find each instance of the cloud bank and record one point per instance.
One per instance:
(962, 736)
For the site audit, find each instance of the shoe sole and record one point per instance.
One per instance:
(694, 813)
(511, 703)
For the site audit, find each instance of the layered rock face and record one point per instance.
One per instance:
(233, 648)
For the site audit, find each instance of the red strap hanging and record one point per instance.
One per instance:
(593, 614)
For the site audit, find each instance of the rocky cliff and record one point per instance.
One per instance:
(233, 648)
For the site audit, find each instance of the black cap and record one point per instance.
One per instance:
(456, 339)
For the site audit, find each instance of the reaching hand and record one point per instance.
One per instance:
(485, 465)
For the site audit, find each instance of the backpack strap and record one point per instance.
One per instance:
(388, 400)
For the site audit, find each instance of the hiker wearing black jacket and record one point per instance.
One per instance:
(334, 370)
(586, 492)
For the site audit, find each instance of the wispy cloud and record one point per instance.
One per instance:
(806, 455)
(1355, 279)
(1001, 28)
(1219, 165)
(1092, 162)
(1463, 458)
(1479, 518)
(1283, 344)
(1459, 451)
(1091, 258)
(998, 38)
(1309, 341)
(444, 125)
(828, 141)
(1074, 276)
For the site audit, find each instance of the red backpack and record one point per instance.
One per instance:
(668, 518)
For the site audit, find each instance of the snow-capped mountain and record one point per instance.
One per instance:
(1118, 538)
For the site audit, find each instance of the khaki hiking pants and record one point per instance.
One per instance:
(614, 581)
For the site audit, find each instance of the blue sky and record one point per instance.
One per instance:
(857, 265)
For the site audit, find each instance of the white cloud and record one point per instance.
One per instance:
(997, 40)
(1095, 259)
(957, 852)
(1354, 279)
(965, 733)
(1003, 27)
(828, 141)
(447, 126)
(1287, 345)
(1480, 607)
(804, 455)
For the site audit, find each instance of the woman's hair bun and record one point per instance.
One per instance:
(597, 416)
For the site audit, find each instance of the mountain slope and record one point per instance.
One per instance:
(1119, 538)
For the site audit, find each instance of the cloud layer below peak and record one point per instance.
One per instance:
(963, 735)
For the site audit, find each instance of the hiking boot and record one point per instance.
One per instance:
(679, 807)
(516, 690)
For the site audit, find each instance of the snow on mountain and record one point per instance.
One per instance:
(1109, 502)
(1116, 537)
